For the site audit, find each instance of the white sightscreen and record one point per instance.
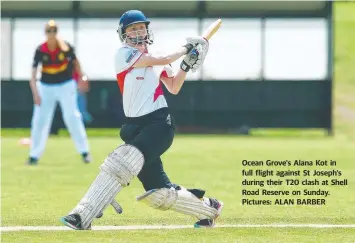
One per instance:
(5, 49)
(96, 45)
(296, 49)
(170, 34)
(235, 50)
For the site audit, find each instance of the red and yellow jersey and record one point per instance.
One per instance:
(57, 65)
(76, 76)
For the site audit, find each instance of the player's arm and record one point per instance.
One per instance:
(83, 85)
(77, 67)
(63, 45)
(83, 81)
(36, 61)
(76, 63)
(193, 60)
(147, 59)
(174, 84)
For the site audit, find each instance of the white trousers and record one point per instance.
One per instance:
(66, 94)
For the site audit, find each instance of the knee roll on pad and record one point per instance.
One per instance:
(181, 201)
(125, 162)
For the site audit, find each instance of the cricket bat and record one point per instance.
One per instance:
(212, 29)
(209, 32)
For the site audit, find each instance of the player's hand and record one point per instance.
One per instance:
(202, 52)
(37, 99)
(83, 84)
(194, 59)
(194, 41)
(190, 60)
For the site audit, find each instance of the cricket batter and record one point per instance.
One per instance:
(148, 132)
(56, 85)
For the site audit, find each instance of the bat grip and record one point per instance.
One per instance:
(116, 206)
(193, 54)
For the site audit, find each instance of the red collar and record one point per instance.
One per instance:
(44, 48)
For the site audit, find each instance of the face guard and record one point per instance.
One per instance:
(138, 37)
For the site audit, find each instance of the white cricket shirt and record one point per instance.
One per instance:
(141, 88)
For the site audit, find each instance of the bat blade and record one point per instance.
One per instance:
(209, 32)
(212, 29)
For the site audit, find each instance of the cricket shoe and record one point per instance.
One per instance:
(73, 221)
(32, 161)
(86, 158)
(209, 223)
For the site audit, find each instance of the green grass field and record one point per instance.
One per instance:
(39, 196)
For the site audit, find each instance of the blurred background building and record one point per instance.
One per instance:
(270, 64)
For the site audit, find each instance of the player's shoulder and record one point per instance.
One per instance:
(41, 47)
(126, 50)
(125, 57)
(71, 46)
(126, 53)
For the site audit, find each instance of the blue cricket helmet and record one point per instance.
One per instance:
(133, 17)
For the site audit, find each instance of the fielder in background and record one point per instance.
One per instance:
(82, 99)
(58, 61)
(148, 132)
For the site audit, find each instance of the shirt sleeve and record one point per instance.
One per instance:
(71, 52)
(36, 58)
(125, 58)
(166, 71)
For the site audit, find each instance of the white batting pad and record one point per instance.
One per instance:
(181, 201)
(101, 193)
(124, 162)
(117, 171)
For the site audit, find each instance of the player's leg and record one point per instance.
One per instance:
(153, 176)
(82, 105)
(116, 172)
(72, 118)
(153, 140)
(41, 121)
(162, 193)
(190, 202)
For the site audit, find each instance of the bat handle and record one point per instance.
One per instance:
(193, 54)
(116, 206)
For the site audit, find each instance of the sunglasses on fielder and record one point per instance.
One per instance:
(51, 31)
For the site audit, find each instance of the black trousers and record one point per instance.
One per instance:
(152, 134)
